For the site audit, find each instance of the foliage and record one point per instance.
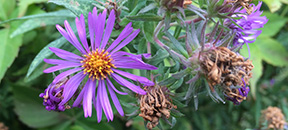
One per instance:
(27, 29)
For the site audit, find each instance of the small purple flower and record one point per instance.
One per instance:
(250, 24)
(52, 96)
(98, 63)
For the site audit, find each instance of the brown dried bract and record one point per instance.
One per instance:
(3, 127)
(274, 118)
(243, 3)
(225, 67)
(155, 104)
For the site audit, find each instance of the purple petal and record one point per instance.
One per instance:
(105, 100)
(131, 63)
(64, 33)
(141, 79)
(65, 74)
(87, 99)
(115, 100)
(73, 37)
(127, 84)
(80, 97)
(98, 105)
(100, 28)
(82, 31)
(60, 67)
(112, 86)
(125, 32)
(91, 29)
(123, 53)
(71, 87)
(126, 41)
(65, 54)
(109, 28)
(57, 61)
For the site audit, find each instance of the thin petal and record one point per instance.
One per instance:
(65, 54)
(112, 86)
(65, 74)
(71, 87)
(141, 79)
(100, 28)
(73, 37)
(109, 28)
(64, 33)
(82, 31)
(125, 32)
(91, 30)
(57, 61)
(126, 41)
(127, 84)
(115, 100)
(87, 99)
(60, 67)
(98, 105)
(105, 100)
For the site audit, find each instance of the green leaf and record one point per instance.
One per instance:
(145, 17)
(30, 110)
(273, 52)
(60, 13)
(274, 24)
(158, 57)
(148, 30)
(77, 7)
(23, 5)
(256, 58)
(273, 5)
(9, 48)
(92, 125)
(44, 53)
(6, 8)
(39, 22)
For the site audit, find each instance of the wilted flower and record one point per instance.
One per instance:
(155, 105)
(273, 118)
(249, 23)
(98, 63)
(53, 96)
(224, 67)
(236, 95)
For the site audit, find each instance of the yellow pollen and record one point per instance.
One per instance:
(98, 64)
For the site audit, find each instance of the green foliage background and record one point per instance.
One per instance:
(27, 29)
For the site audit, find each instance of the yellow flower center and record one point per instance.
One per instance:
(98, 64)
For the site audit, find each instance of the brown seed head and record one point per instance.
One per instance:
(155, 104)
(274, 118)
(3, 127)
(223, 66)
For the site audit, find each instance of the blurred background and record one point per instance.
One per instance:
(27, 26)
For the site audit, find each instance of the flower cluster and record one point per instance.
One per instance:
(99, 62)
(213, 57)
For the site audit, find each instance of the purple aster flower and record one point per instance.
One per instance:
(249, 23)
(99, 63)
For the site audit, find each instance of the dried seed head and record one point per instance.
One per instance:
(274, 118)
(224, 67)
(170, 4)
(236, 95)
(243, 3)
(3, 127)
(155, 104)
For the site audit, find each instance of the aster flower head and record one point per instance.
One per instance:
(249, 23)
(52, 96)
(98, 63)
